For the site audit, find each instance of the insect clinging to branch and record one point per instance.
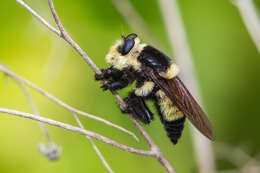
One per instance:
(156, 79)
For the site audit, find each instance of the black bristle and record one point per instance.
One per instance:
(174, 129)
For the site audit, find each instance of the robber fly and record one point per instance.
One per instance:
(156, 79)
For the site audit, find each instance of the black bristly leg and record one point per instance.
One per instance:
(115, 85)
(137, 107)
(117, 79)
(120, 79)
(108, 73)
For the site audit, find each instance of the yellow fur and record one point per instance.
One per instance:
(118, 61)
(171, 72)
(145, 89)
(168, 109)
(160, 94)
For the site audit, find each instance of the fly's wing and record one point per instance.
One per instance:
(181, 97)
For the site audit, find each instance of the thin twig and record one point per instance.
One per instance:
(34, 109)
(67, 37)
(52, 151)
(56, 100)
(45, 131)
(203, 148)
(251, 19)
(53, 146)
(38, 17)
(154, 148)
(77, 130)
(93, 145)
(177, 36)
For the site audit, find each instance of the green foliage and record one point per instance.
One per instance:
(226, 61)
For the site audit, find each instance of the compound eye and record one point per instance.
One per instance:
(131, 36)
(128, 45)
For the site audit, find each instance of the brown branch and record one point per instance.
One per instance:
(52, 145)
(34, 109)
(77, 130)
(53, 150)
(177, 36)
(56, 100)
(44, 22)
(66, 37)
(154, 148)
(93, 144)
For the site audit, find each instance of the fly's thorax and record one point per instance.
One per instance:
(117, 60)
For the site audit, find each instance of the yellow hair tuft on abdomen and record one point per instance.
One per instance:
(169, 111)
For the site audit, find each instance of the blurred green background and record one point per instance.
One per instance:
(226, 61)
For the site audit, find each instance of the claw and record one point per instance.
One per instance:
(127, 109)
(105, 86)
(99, 76)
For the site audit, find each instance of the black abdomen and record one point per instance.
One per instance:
(174, 129)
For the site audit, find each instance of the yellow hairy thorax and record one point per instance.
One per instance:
(118, 61)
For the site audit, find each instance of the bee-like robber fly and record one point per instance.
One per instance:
(156, 79)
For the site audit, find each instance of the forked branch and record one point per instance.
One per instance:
(61, 103)
(52, 151)
(155, 151)
(77, 130)
(51, 147)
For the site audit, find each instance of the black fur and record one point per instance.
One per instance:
(136, 106)
(173, 128)
(109, 73)
(118, 79)
(155, 59)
